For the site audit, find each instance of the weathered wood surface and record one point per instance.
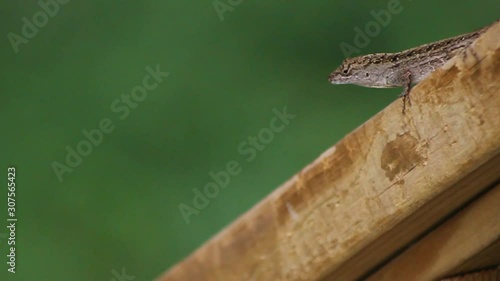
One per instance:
(376, 190)
(463, 239)
(484, 259)
(484, 275)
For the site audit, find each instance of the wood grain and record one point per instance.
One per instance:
(461, 239)
(486, 275)
(375, 191)
(486, 258)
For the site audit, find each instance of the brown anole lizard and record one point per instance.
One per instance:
(402, 69)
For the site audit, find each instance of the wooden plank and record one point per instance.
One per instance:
(486, 275)
(486, 258)
(376, 190)
(461, 239)
(423, 218)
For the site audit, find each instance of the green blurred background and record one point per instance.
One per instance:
(119, 207)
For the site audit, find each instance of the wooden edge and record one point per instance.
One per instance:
(487, 258)
(370, 182)
(485, 275)
(415, 224)
(465, 235)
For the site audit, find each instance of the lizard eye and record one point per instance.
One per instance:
(367, 74)
(345, 71)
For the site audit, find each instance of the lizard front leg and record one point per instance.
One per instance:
(406, 89)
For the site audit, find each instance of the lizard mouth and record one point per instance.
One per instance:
(335, 78)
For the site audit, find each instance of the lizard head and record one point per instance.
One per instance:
(367, 71)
